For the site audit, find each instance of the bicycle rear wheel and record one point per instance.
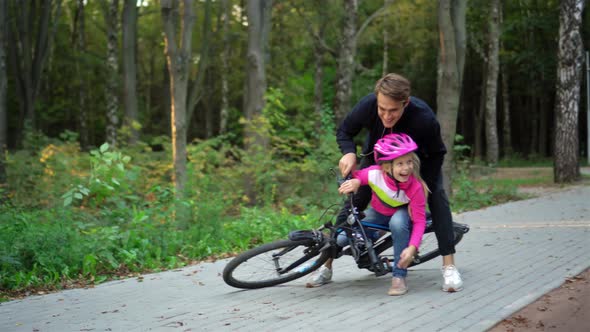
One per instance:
(274, 263)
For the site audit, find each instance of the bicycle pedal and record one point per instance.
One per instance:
(380, 271)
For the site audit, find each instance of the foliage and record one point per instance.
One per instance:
(108, 180)
(472, 195)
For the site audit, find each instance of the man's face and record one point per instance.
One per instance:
(389, 110)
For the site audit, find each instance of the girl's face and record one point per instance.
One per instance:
(401, 168)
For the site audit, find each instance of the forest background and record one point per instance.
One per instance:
(144, 135)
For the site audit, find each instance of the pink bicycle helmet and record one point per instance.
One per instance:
(392, 146)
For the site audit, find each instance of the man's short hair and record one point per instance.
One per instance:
(394, 86)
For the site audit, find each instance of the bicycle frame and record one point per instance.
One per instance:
(354, 224)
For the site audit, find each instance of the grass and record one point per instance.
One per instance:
(530, 161)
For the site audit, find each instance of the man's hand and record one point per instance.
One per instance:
(347, 164)
(406, 257)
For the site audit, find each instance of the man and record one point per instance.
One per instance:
(391, 109)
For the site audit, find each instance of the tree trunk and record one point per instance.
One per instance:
(83, 88)
(534, 123)
(209, 111)
(147, 85)
(458, 10)
(492, 150)
(29, 56)
(224, 112)
(506, 123)
(112, 84)
(178, 58)
(166, 94)
(543, 126)
(320, 49)
(345, 70)
(506, 130)
(259, 12)
(385, 69)
(196, 92)
(448, 81)
(569, 72)
(479, 116)
(130, 69)
(3, 113)
(318, 55)
(259, 17)
(318, 90)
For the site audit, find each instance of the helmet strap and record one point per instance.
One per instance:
(390, 175)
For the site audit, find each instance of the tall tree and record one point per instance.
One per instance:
(506, 123)
(316, 28)
(259, 18)
(569, 72)
(130, 68)
(196, 90)
(178, 57)
(492, 150)
(451, 23)
(318, 54)
(28, 56)
(110, 11)
(385, 68)
(3, 118)
(479, 116)
(346, 54)
(224, 71)
(79, 46)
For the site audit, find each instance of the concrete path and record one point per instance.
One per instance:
(513, 254)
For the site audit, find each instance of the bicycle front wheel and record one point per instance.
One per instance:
(274, 263)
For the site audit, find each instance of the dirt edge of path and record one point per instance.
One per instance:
(562, 309)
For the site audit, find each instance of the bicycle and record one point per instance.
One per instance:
(305, 251)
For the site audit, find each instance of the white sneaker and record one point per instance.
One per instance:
(320, 277)
(452, 279)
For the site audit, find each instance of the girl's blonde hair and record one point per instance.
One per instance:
(415, 172)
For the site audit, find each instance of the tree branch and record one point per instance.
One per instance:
(195, 94)
(378, 13)
(320, 42)
(187, 28)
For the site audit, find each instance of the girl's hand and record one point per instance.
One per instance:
(406, 257)
(349, 186)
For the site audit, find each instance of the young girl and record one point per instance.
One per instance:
(398, 199)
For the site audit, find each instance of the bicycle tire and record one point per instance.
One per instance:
(245, 272)
(428, 248)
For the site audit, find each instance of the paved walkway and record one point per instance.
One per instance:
(513, 254)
